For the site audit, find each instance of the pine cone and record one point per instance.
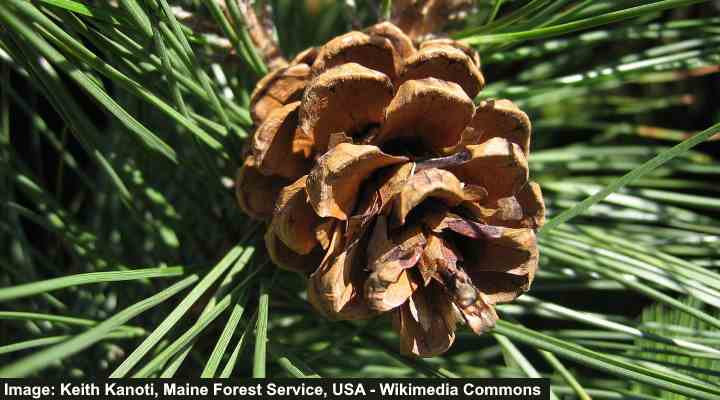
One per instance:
(387, 187)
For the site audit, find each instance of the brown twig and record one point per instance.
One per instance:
(420, 18)
(262, 33)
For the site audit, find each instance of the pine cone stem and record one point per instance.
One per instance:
(420, 19)
(262, 33)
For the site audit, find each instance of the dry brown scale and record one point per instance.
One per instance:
(389, 189)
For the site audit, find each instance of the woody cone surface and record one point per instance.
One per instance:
(389, 189)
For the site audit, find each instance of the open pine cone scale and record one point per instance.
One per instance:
(390, 189)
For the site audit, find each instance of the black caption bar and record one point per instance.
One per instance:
(476, 389)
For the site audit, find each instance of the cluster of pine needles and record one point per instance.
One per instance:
(123, 253)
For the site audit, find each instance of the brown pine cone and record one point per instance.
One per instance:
(390, 189)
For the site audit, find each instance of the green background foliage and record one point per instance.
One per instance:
(124, 254)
